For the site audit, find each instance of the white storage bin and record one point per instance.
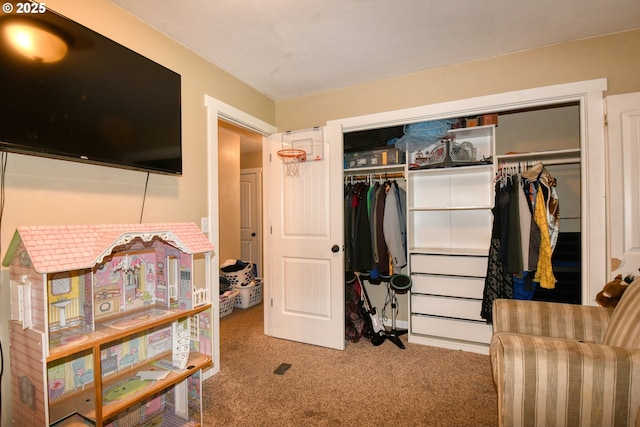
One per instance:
(249, 295)
(227, 303)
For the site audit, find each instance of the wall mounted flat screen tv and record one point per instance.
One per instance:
(71, 93)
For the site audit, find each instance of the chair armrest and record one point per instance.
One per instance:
(545, 381)
(549, 319)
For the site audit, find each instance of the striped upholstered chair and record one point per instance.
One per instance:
(567, 365)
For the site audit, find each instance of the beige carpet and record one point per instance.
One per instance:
(361, 386)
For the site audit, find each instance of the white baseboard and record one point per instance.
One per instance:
(400, 324)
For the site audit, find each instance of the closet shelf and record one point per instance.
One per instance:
(571, 155)
(484, 131)
(458, 170)
(449, 251)
(374, 170)
(450, 208)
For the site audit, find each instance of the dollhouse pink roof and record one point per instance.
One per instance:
(58, 248)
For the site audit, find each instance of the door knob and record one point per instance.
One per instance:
(253, 234)
(335, 249)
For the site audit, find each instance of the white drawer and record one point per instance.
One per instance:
(455, 286)
(451, 329)
(458, 265)
(460, 308)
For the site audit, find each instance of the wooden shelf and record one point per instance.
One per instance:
(84, 401)
(104, 333)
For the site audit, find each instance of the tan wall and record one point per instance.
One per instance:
(229, 193)
(44, 191)
(251, 160)
(616, 57)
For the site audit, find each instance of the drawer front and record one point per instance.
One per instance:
(460, 308)
(459, 265)
(463, 330)
(454, 286)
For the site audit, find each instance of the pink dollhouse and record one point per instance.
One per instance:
(95, 309)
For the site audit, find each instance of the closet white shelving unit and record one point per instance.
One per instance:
(449, 233)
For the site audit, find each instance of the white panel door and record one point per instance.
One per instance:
(251, 218)
(623, 132)
(304, 249)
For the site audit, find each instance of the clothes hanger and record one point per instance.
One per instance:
(534, 171)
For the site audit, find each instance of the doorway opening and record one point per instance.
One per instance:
(240, 194)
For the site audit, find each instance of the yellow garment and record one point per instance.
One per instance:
(544, 272)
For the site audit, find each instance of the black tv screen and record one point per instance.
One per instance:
(77, 95)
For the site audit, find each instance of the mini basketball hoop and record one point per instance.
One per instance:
(291, 158)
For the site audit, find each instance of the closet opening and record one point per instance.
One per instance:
(551, 135)
(375, 177)
(523, 137)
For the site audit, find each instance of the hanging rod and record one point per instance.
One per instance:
(570, 161)
(546, 162)
(391, 175)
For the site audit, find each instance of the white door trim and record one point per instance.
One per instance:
(592, 135)
(217, 109)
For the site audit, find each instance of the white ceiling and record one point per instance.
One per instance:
(289, 48)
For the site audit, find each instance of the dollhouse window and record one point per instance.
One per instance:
(132, 279)
(60, 283)
(173, 276)
(195, 328)
(21, 301)
(27, 392)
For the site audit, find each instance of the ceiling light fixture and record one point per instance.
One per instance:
(36, 43)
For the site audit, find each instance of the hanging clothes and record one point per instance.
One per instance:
(525, 228)
(357, 228)
(393, 224)
(375, 227)
(348, 196)
(538, 177)
(380, 249)
(544, 271)
(524, 233)
(497, 282)
(514, 263)
(540, 188)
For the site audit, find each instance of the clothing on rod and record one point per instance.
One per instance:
(375, 227)
(524, 234)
